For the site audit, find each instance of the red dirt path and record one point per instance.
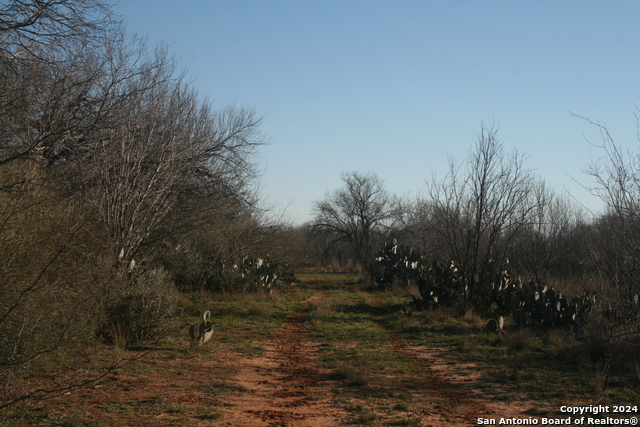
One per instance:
(282, 387)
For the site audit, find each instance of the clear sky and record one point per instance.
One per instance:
(397, 87)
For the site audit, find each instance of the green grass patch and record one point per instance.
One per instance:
(363, 415)
(401, 406)
(210, 414)
(220, 388)
(352, 376)
(361, 333)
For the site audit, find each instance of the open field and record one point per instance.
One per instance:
(331, 351)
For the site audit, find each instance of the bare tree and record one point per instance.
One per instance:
(477, 211)
(546, 245)
(616, 181)
(415, 228)
(46, 76)
(104, 147)
(147, 152)
(354, 216)
(614, 243)
(47, 71)
(30, 28)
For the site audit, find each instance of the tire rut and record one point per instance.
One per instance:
(285, 387)
(455, 399)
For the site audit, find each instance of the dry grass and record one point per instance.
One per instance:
(413, 290)
(335, 265)
(474, 320)
(521, 340)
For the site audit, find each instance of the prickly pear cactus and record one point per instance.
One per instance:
(530, 304)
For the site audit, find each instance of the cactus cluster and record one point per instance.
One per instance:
(262, 273)
(438, 283)
(233, 273)
(397, 264)
(540, 306)
(530, 305)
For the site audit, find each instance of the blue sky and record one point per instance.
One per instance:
(398, 87)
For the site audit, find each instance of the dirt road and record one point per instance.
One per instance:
(284, 384)
(285, 387)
